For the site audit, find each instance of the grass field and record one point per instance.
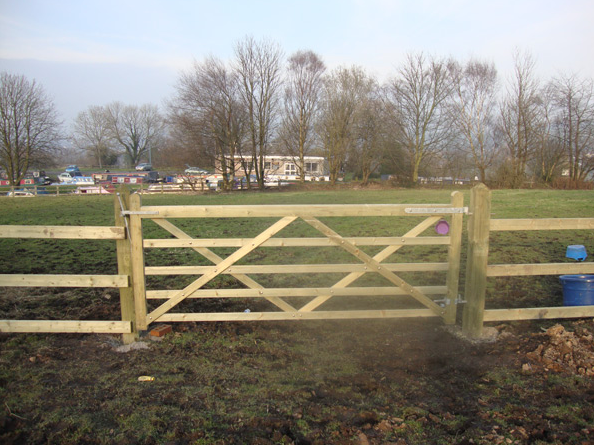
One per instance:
(388, 381)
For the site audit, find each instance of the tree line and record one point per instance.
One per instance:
(433, 117)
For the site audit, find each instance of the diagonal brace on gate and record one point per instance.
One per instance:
(381, 256)
(374, 265)
(218, 269)
(217, 260)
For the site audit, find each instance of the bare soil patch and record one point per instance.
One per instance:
(340, 382)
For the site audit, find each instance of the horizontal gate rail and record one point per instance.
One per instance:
(298, 292)
(296, 268)
(278, 211)
(298, 242)
(278, 316)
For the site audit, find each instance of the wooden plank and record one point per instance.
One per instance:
(318, 315)
(539, 313)
(374, 265)
(542, 224)
(124, 257)
(66, 326)
(514, 270)
(477, 259)
(277, 211)
(220, 268)
(381, 256)
(362, 292)
(27, 280)
(62, 232)
(296, 268)
(453, 275)
(137, 262)
(297, 242)
(213, 257)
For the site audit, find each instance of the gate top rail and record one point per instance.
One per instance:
(317, 210)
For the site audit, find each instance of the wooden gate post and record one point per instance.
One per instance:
(453, 276)
(477, 260)
(122, 202)
(138, 276)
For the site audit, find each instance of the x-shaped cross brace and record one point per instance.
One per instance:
(221, 265)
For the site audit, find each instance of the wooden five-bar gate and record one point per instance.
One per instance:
(280, 299)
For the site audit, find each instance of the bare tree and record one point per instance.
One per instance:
(258, 65)
(367, 152)
(137, 130)
(91, 132)
(574, 102)
(549, 156)
(521, 119)
(474, 112)
(208, 105)
(29, 126)
(344, 91)
(302, 98)
(420, 95)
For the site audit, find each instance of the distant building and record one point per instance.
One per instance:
(284, 168)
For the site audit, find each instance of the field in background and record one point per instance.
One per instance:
(386, 381)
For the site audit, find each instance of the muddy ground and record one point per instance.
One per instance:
(338, 382)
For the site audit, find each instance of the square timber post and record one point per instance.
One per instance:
(138, 276)
(454, 250)
(477, 260)
(121, 203)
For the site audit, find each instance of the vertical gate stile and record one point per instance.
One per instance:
(137, 257)
(454, 250)
(121, 203)
(477, 260)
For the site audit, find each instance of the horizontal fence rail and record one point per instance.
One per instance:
(63, 232)
(478, 268)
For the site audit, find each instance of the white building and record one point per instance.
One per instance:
(285, 168)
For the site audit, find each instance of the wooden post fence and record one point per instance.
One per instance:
(118, 233)
(478, 268)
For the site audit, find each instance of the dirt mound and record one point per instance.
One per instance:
(562, 350)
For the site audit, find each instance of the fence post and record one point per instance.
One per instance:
(453, 276)
(477, 260)
(124, 265)
(137, 258)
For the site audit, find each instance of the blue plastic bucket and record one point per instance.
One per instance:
(578, 290)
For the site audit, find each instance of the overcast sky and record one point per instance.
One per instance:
(88, 52)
